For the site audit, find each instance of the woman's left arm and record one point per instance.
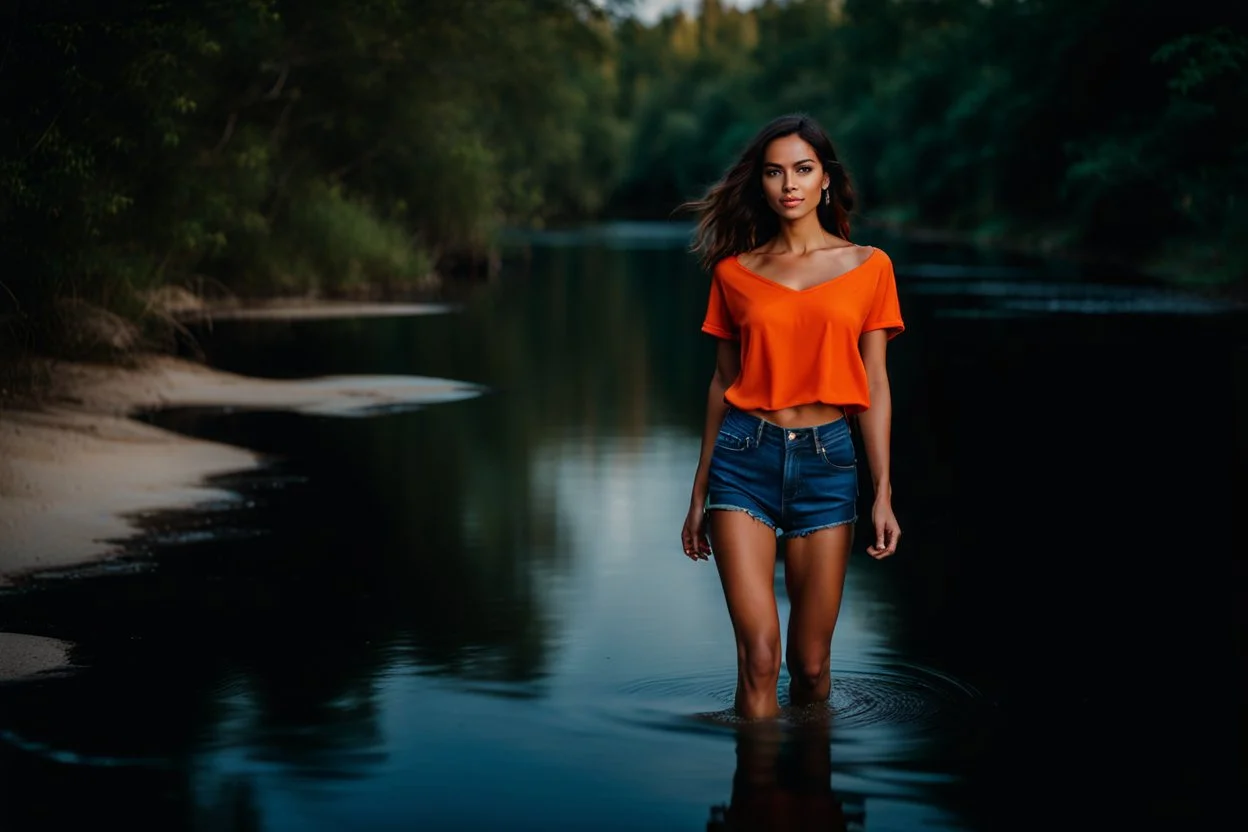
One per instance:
(876, 424)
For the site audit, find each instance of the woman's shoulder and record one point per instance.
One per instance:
(725, 264)
(872, 252)
(749, 261)
(856, 257)
(878, 258)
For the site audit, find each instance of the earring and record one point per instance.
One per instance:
(827, 197)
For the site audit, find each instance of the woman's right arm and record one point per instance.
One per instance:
(727, 366)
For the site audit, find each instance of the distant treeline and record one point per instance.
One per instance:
(262, 147)
(1114, 126)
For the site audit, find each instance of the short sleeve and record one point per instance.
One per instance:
(885, 312)
(718, 321)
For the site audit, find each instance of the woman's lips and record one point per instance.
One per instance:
(789, 203)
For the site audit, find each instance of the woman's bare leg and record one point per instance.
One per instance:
(745, 555)
(814, 575)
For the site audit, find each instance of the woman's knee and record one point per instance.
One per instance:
(760, 658)
(809, 667)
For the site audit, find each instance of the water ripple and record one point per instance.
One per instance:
(717, 685)
(898, 694)
(876, 711)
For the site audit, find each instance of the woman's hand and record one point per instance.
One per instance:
(693, 536)
(886, 530)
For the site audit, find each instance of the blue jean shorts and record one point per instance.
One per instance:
(796, 480)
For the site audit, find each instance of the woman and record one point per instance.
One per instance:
(803, 317)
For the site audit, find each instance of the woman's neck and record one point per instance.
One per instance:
(800, 237)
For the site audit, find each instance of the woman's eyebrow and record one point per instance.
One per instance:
(778, 165)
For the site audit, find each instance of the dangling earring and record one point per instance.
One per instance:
(827, 197)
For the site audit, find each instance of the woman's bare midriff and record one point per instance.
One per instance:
(801, 416)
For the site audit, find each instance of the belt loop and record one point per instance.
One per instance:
(758, 433)
(818, 439)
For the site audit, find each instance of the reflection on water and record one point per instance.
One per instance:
(783, 781)
(476, 615)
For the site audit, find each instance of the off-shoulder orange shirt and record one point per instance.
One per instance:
(801, 346)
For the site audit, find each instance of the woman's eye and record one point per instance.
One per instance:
(805, 169)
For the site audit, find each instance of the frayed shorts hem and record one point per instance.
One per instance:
(767, 522)
(813, 529)
(729, 507)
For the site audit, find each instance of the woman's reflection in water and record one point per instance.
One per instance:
(783, 779)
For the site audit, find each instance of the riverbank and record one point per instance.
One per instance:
(78, 471)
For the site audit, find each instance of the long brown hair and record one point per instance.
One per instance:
(734, 214)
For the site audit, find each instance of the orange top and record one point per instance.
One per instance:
(801, 346)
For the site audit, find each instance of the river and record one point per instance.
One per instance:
(476, 614)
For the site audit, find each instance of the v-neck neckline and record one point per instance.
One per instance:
(737, 259)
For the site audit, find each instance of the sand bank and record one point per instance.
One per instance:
(77, 471)
(24, 656)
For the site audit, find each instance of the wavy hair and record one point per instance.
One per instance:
(734, 214)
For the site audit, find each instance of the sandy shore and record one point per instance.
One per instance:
(77, 470)
(24, 656)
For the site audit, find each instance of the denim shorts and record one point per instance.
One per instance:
(796, 480)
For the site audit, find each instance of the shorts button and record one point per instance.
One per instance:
(792, 435)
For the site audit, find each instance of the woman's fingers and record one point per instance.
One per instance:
(886, 537)
(693, 536)
(704, 540)
(689, 542)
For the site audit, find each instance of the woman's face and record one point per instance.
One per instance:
(793, 178)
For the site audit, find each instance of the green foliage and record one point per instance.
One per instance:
(270, 146)
(337, 245)
(1103, 124)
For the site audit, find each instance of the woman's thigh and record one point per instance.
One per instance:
(745, 555)
(814, 577)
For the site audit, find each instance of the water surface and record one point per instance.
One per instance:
(476, 615)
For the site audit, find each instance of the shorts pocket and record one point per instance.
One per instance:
(840, 455)
(731, 442)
